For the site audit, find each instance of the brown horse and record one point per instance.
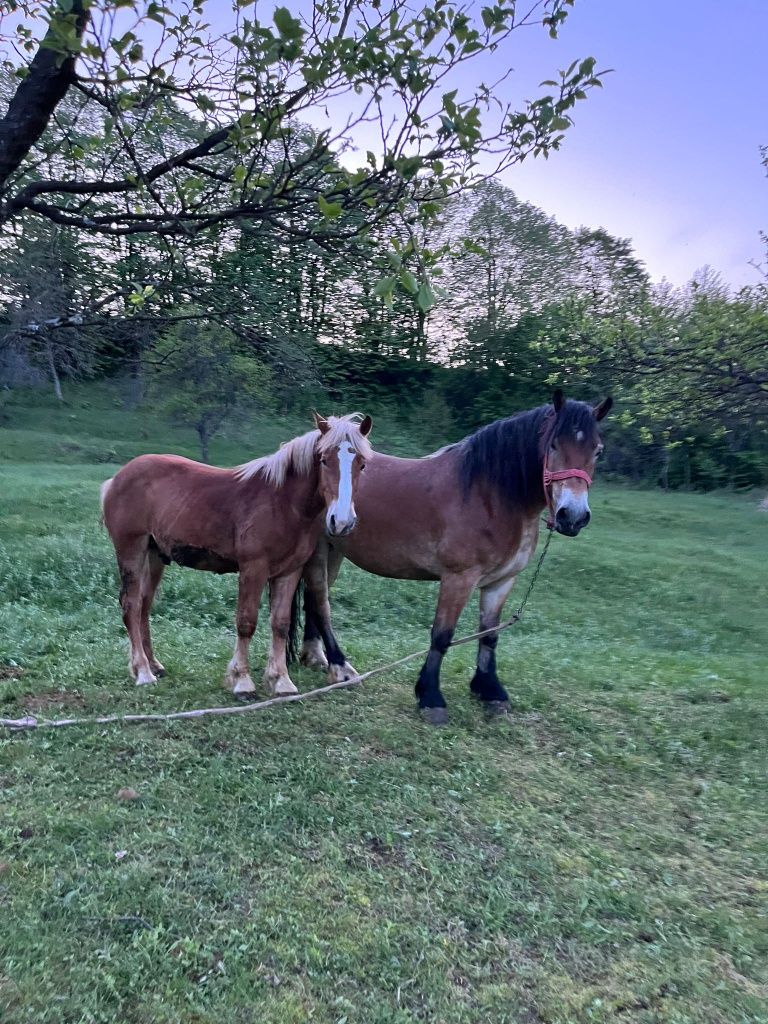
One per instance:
(262, 519)
(467, 516)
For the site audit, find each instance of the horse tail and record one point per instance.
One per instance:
(103, 491)
(293, 630)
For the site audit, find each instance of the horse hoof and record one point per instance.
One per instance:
(494, 708)
(435, 716)
(341, 673)
(243, 698)
(242, 688)
(145, 679)
(159, 671)
(281, 688)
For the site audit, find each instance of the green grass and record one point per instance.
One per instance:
(598, 856)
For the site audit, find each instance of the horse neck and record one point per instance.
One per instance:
(301, 493)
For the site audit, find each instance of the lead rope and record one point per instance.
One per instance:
(30, 722)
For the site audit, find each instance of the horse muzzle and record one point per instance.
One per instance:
(336, 527)
(570, 522)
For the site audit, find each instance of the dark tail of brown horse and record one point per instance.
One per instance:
(294, 632)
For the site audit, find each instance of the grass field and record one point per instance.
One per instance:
(599, 855)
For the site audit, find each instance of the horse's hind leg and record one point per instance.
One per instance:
(132, 563)
(252, 580)
(485, 683)
(153, 573)
(455, 590)
(319, 575)
(281, 591)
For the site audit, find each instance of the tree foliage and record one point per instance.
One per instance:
(129, 117)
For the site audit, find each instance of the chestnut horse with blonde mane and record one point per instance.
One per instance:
(262, 519)
(468, 516)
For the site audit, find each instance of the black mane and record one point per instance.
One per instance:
(508, 454)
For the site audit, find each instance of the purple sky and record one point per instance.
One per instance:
(668, 153)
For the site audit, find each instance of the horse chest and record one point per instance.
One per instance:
(516, 560)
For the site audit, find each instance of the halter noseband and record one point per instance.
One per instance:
(550, 477)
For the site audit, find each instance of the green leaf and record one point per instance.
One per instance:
(331, 211)
(383, 289)
(408, 281)
(425, 299)
(288, 26)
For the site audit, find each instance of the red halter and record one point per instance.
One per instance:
(561, 474)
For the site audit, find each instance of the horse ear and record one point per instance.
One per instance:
(321, 423)
(558, 400)
(365, 426)
(602, 410)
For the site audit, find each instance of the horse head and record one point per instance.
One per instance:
(573, 445)
(342, 451)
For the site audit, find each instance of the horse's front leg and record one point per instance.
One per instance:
(253, 576)
(485, 683)
(319, 575)
(281, 591)
(455, 590)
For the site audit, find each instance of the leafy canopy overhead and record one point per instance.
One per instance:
(96, 87)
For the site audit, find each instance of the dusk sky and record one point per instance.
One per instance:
(668, 153)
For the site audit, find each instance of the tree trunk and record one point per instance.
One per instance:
(51, 73)
(55, 379)
(664, 475)
(204, 437)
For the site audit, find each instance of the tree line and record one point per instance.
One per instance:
(179, 211)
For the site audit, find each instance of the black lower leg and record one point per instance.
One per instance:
(485, 683)
(428, 684)
(316, 628)
(311, 628)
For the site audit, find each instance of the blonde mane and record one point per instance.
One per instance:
(298, 455)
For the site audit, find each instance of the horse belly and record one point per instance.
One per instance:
(201, 558)
(391, 561)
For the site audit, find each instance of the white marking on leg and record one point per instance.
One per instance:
(312, 654)
(342, 510)
(277, 682)
(238, 677)
(145, 678)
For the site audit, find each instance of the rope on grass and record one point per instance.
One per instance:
(30, 722)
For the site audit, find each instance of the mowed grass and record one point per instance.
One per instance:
(600, 855)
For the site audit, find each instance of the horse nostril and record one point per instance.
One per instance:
(333, 522)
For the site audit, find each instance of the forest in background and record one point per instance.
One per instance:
(256, 269)
(239, 319)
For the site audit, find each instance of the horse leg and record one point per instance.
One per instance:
(251, 584)
(312, 653)
(132, 563)
(455, 590)
(153, 573)
(485, 683)
(319, 575)
(281, 591)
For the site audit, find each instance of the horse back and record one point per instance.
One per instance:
(189, 509)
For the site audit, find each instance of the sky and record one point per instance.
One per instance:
(667, 154)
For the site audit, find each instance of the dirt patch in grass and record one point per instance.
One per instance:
(10, 672)
(53, 699)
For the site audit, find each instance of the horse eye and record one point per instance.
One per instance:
(362, 468)
(322, 461)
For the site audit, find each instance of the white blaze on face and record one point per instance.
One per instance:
(341, 513)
